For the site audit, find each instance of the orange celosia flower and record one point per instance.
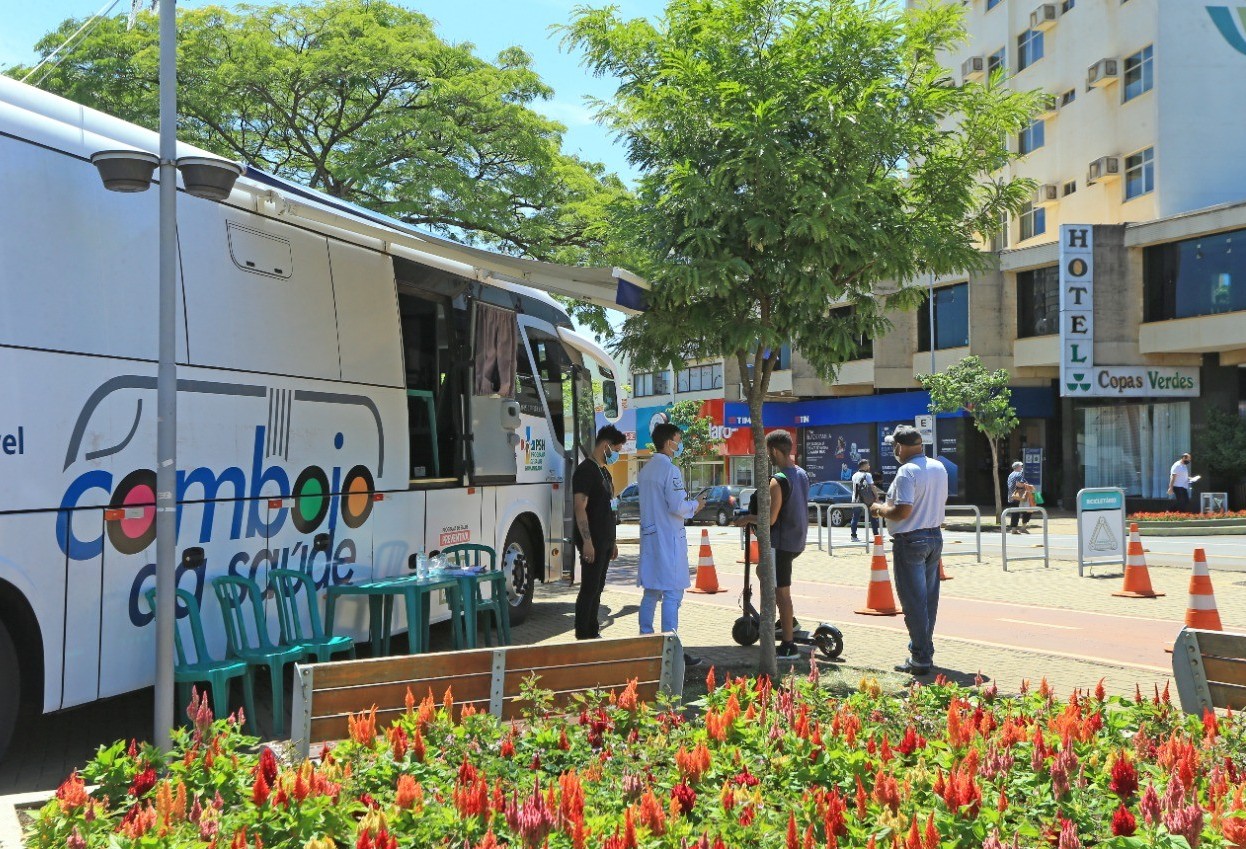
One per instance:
(652, 816)
(362, 726)
(405, 793)
(627, 699)
(72, 793)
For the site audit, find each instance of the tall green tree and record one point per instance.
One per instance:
(795, 155)
(985, 395)
(360, 99)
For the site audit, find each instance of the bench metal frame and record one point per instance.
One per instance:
(671, 681)
(1209, 668)
(1003, 536)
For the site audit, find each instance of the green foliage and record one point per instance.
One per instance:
(362, 100)
(795, 156)
(984, 394)
(698, 445)
(1222, 446)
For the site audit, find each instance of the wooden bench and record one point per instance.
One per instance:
(488, 679)
(1210, 670)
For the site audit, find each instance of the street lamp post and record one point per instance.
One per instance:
(205, 177)
(934, 417)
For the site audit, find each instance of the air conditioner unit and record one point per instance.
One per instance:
(1049, 107)
(1103, 168)
(1104, 72)
(973, 68)
(1044, 17)
(1046, 195)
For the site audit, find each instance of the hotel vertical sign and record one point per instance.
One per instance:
(1077, 309)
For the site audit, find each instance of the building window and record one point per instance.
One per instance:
(700, 378)
(645, 384)
(1029, 48)
(1033, 221)
(999, 241)
(991, 4)
(1031, 138)
(1202, 276)
(997, 61)
(1140, 173)
(864, 343)
(1068, 97)
(1067, 5)
(1070, 187)
(1132, 446)
(951, 319)
(1139, 76)
(1038, 302)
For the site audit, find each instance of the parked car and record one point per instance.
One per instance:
(742, 502)
(720, 504)
(629, 504)
(831, 492)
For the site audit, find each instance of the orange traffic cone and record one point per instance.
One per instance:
(944, 576)
(1201, 611)
(879, 600)
(1137, 578)
(707, 575)
(754, 553)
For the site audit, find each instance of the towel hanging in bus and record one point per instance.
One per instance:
(496, 345)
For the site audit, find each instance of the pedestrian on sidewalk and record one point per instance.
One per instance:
(594, 507)
(1179, 481)
(914, 511)
(1020, 493)
(863, 492)
(664, 507)
(789, 529)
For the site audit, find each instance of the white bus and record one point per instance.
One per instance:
(350, 391)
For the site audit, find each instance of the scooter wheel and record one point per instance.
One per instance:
(746, 631)
(829, 640)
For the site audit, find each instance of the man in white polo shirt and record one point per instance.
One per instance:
(1179, 482)
(914, 511)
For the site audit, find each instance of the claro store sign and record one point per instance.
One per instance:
(1080, 377)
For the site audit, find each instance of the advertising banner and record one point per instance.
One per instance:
(1033, 459)
(832, 452)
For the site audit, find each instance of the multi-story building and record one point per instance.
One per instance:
(1141, 140)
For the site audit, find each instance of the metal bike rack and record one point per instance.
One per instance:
(977, 514)
(830, 544)
(1003, 535)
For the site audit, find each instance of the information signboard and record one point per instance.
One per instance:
(1101, 536)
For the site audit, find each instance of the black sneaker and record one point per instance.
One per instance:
(691, 660)
(787, 651)
(911, 668)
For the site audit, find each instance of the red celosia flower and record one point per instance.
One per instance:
(685, 796)
(268, 766)
(1123, 823)
(260, 790)
(1124, 781)
(143, 782)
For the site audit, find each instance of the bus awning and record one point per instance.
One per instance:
(613, 288)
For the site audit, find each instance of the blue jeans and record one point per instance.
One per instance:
(671, 599)
(856, 520)
(916, 557)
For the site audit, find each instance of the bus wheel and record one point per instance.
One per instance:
(518, 555)
(11, 692)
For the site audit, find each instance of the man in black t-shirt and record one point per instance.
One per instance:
(593, 490)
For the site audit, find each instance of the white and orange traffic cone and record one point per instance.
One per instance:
(754, 553)
(707, 575)
(1201, 611)
(1137, 578)
(944, 576)
(879, 600)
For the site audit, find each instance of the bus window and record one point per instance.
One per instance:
(552, 367)
(526, 392)
(610, 400)
(434, 385)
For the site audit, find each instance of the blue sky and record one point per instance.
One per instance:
(489, 24)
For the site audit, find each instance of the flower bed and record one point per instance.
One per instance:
(762, 766)
(1173, 516)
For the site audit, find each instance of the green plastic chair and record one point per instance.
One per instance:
(471, 555)
(286, 585)
(252, 644)
(204, 669)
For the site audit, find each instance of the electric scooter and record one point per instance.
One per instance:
(826, 638)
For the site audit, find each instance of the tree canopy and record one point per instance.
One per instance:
(360, 99)
(795, 156)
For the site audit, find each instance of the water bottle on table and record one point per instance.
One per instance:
(421, 565)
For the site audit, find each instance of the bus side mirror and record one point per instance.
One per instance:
(510, 415)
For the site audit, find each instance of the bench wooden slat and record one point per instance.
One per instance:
(381, 670)
(1228, 695)
(337, 727)
(394, 696)
(646, 691)
(1223, 670)
(584, 652)
(606, 676)
(1220, 644)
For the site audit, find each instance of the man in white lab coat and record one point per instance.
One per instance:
(664, 506)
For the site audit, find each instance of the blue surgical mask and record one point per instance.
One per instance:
(679, 449)
(611, 457)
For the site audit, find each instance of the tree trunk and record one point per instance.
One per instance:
(765, 562)
(999, 504)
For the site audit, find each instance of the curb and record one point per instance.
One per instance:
(1203, 531)
(10, 827)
